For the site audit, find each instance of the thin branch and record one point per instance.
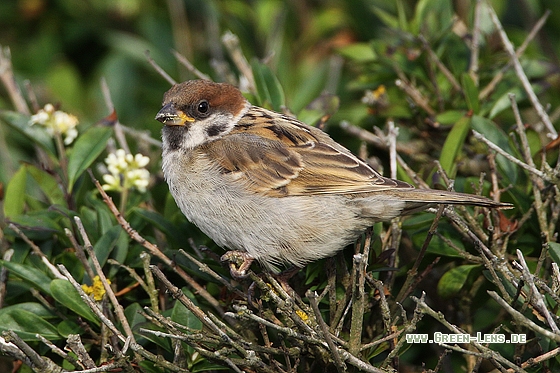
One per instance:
(116, 305)
(231, 42)
(475, 45)
(185, 62)
(499, 76)
(444, 70)
(522, 320)
(312, 296)
(510, 157)
(4, 275)
(415, 95)
(119, 134)
(159, 69)
(538, 302)
(543, 115)
(37, 251)
(8, 79)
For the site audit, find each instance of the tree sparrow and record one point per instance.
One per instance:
(270, 186)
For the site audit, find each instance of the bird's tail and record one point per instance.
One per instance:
(417, 199)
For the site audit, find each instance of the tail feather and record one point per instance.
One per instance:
(417, 199)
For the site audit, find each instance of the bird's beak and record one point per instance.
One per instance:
(170, 116)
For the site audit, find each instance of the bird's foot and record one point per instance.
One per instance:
(239, 263)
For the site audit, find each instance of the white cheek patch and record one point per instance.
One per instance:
(211, 128)
(195, 136)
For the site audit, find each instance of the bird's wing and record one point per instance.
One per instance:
(280, 156)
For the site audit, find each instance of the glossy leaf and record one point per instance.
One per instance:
(183, 316)
(453, 145)
(453, 280)
(85, 151)
(30, 275)
(493, 133)
(35, 133)
(359, 52)
(64, 293)
(14, 200)
(104, 246)
(26, 325)
(268, 86)
(471, 93)
(48, 184)
(554, 251)
(504, 103)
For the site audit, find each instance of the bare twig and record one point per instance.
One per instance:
(522, 320)
(312, 296)
(444, 70)
(535, 296)
(231, 42)
(411, 274)
(74, 343)
(499, 76)
(159, 69)
(185, 62)
(415, 95)
(116, 305)
(475, 47)
(543, 115)
(119, 134)
(509, 157)
(4, 275)
(31, 358)
(37, 251)
(8, 79)
(206, 269)
(79, 252)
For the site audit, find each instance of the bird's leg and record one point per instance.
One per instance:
(239, 263)
(285, 276)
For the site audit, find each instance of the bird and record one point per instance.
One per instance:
(271, 188)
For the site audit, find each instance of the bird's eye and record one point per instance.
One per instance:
(203, 107)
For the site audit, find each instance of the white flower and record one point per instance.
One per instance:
(56, 122)
(126, 171)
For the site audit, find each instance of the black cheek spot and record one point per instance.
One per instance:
(215, 130)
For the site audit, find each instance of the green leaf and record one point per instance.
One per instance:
(168, 228)
(471, 93)
(493, 133)
(453, 145)
(134, 316)
(268, 86)
(48, 184)
(30, 275)
(14, 200)
(504, 103)
(453, 280)
(554, 251)
(65, 294)
(84, 152)
(359, 52)
(35, 133)
(183, 316)
(26, 324)
(387, 18)
(449, 117)
(63, 80)
(67, 327)
(36, 308)
(105, 245)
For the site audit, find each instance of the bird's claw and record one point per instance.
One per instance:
(239, 263)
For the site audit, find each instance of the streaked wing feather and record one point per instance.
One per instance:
(280, 156)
